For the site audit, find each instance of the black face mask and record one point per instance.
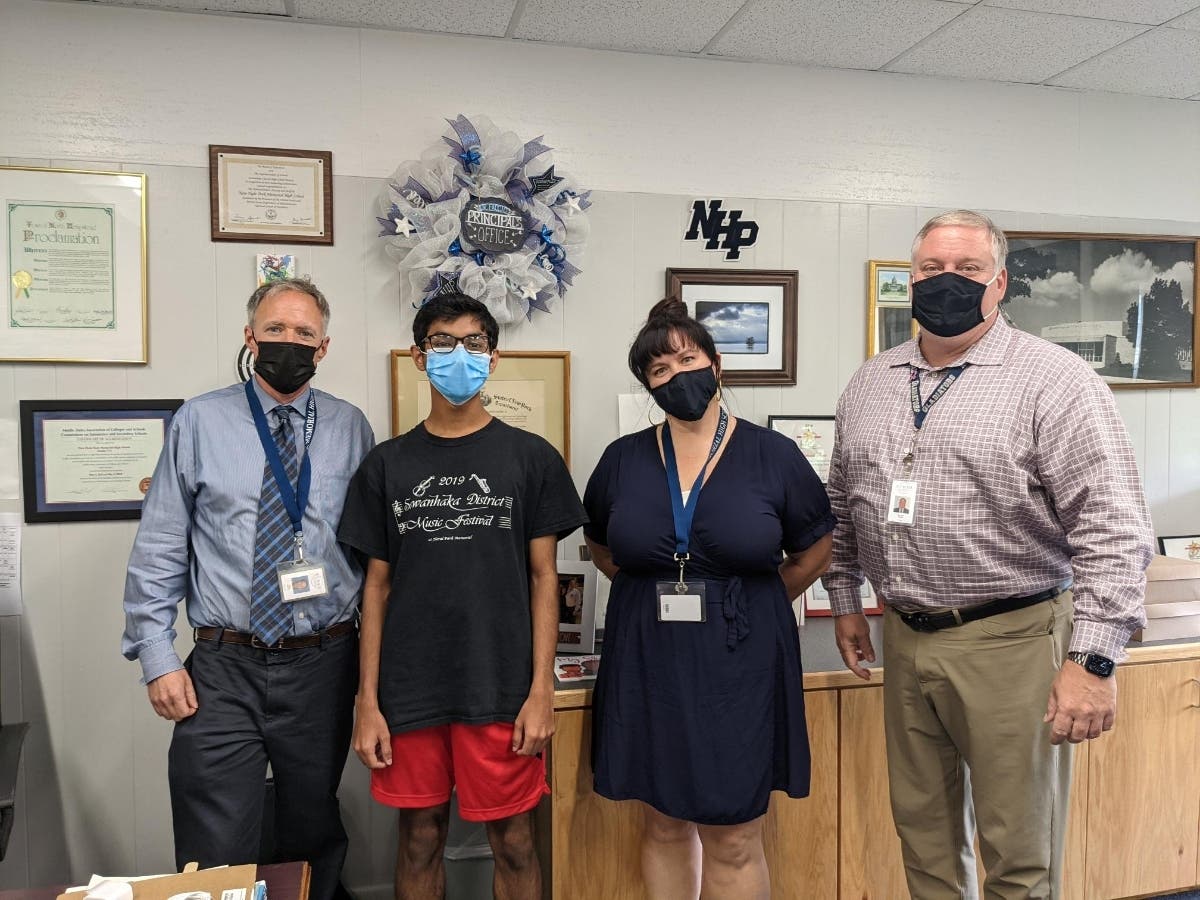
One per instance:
(949, 304)
(687, 395)
(285, 366)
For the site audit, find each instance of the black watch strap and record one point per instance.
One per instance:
(1100, 666)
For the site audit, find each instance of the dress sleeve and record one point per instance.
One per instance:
(367, 519)
(806, 514)
(599, 494)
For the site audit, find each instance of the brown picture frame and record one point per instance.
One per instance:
(300, 179)
(771, 294)
(544, 374)
(1125, 349)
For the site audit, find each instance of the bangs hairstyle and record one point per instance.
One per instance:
(668, 329)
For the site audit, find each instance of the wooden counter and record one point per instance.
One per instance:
(1135, 804)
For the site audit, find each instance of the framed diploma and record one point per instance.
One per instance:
(74, 248)
(272, 196)
(89, 460)
(530, 389)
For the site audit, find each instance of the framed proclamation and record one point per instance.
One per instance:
(74, 263)
(272, 196)
(89, 460)
(530, 389)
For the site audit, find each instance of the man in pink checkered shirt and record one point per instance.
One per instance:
(984, 482)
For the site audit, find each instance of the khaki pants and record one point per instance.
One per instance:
(963, 711)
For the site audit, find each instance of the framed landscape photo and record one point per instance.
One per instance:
(576, 606)
(813, 435)
(889, 308)
(90, 460)
(530, 389)
(751, 316)
(1181, 546)
(1125, 303)
(74, 246)
(270, 195)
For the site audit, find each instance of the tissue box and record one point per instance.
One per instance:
(224, 883)
(1172, 600)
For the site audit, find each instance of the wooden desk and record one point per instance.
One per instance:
(285, 881)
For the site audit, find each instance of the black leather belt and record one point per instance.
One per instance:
(298, 642)
(951, 618)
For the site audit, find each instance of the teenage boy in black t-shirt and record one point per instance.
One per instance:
(459, 520)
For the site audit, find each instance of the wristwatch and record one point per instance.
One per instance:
(1098, 665)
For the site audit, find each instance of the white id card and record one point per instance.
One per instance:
(902, 505)
(301, 580)
(680, 606)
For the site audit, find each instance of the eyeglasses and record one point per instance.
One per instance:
(445, 343)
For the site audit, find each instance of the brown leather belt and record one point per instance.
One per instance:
(298, 642)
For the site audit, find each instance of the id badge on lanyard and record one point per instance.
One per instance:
(902, 501)
(683, 600)
(301, 577)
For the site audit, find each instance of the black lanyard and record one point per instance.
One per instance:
(683, 513)
(295, 501)
(921, 410)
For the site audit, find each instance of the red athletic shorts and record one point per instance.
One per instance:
(493, 782)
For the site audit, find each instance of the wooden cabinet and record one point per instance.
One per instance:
(1143, 806)
(1134, 826)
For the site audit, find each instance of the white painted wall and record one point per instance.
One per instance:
(837, 168)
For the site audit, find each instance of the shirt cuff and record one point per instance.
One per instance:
(1098, 637)
(845, 602)
(159, 659)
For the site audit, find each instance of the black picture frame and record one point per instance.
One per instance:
(119, 458)
(775, 291)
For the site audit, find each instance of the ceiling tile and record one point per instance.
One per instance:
(1163, 62)
(262, 7)
(1011, 45)
(1190, 21)
(451, 16)
(1145, 12)
(668, 26)
(848, 34)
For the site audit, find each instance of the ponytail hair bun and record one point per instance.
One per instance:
(668, 329)
(668, 311)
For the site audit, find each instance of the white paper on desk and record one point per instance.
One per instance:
(10, 564)
(9, 475)
(636, 412)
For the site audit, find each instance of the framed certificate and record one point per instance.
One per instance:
(74, 258)
(530, 389)
(269, 195)
(90, 460)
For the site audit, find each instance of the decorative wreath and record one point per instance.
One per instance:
(491, 218)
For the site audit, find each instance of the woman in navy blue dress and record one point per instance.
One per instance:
(698, 709)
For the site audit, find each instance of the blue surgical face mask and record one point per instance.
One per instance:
(458, 375)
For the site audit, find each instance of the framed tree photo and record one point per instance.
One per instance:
(1125, 303)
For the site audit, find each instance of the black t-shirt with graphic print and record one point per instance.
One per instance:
(454, 518)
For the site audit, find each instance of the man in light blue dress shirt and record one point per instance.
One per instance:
(241, 701)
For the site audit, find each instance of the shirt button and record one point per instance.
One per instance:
(301, 615)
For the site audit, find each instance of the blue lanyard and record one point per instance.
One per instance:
(921, 410)
(684, 512)
(294, 501)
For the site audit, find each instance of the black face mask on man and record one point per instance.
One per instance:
(284, 365)
(949, 304)
(687, 395)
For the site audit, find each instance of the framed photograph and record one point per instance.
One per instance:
(751, 316)
(816, 600)
(814, 436)
(530, 389)
(90, 460)
(270, 195)
(1181, 546)
(1125, 303)
(74, 245)
(889, 309)
(576, 606)
(576, 668)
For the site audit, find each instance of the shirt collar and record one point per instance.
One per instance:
(300, 404)
(989, 350)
